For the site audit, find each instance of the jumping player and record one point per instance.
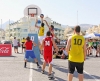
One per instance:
(41, 31)
(29, 52)
(76, 48)
(51, 29)
(47, 44)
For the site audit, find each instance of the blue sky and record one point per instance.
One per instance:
(61, 11)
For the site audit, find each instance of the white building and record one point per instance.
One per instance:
(26, 25)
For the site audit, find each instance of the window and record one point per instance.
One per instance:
(25, 30)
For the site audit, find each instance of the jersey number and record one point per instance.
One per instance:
(47, 43)
(77, 41)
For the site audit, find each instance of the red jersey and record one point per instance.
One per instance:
(48, 46)
(29, 45)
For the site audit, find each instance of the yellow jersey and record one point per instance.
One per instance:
(76, 53)
(41, 31)
(23, 40)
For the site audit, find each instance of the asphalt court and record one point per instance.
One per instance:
(12, 69)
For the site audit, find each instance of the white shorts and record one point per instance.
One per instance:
(41, 38)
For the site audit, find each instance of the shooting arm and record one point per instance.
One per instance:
(47, 24)
(36, 24)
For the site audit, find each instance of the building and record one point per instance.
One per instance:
(69, 31)
(2, 34)
(94, 29)
(26, 25)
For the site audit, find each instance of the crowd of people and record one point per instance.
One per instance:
(93, 45)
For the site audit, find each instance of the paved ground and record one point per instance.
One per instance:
(11, 69)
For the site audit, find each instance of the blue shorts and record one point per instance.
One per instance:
(29, 53)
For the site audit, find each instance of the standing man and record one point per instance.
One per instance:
(47, 45)
(23, 47)
(15, 45)
(76, 48)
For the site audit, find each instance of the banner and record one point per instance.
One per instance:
(5, 49)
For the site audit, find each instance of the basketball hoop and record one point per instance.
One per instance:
(31, 15)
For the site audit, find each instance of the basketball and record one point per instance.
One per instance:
(42, 15)
(39, 21)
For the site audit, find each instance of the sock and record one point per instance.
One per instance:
(25, 64)
(37, 63)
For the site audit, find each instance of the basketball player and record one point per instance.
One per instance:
(76, 48)
(41, 32)
(29, 52)
(47, 44)
(51, 29)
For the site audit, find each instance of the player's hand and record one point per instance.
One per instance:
(45, 20)
(35, 45)
(84, 58)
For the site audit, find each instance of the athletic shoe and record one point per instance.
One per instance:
(39, 66)
(96, 55)
(50, 76)
(90, 53)
(24, 66)
(42, 72)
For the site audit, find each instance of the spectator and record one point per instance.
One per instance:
(23, 47)
(15, 44)
(64, 55)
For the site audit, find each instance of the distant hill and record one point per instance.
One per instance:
(6, 23)
(84, 27)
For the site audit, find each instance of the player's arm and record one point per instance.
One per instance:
(55, 46)
(36, 24)
(34, 43)
(47, 24)
(68, 45)
(84, 49)
(55, 36)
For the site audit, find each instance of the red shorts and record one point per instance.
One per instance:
(48, 59)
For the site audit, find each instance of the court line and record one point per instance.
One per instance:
(91, 76)
(31, 72)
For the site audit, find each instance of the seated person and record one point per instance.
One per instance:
(60, 52)
(64, 55)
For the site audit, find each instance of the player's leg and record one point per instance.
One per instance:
(32, 55)
(44, 63)
(26, 57)
(71, 69)
(50, 66)
(40, 43)
(79, 68)
(43, 67)
(41, 39)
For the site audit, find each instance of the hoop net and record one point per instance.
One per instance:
(32, 15)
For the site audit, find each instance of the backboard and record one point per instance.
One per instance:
(32, 9)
